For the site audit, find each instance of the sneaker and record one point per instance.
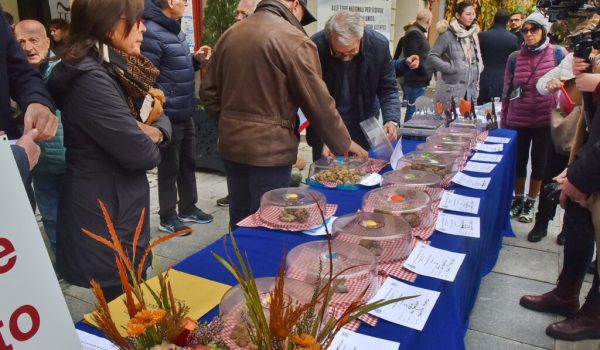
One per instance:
(197, 216)
(516, 207)
(174, 225)
(528, 211)
(223, 202)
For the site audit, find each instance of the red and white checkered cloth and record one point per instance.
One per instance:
(269, 217)
(391, 249)
(482, 136)
(397, 269)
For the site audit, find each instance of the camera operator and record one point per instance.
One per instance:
(578, 183)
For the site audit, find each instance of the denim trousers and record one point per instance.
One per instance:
(47, 193)
(411, 93)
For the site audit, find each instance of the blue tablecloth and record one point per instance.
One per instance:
(449, 320)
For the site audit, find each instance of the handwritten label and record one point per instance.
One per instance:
(478, 183)
(485, 157)
(495, 139)
(458, 225)
(457, 202)
(476, 167)
(433, 262)
(348, 340)
(94, 342)
(493, 148)
(412, 313)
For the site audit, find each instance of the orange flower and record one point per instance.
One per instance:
(135, 329)
(145, 317)
(158, 315)
(305, 342)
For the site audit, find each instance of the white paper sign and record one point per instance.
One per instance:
(372, 179)
(476, 167)
(60, 9)
(32, 307)
(457, 202)
(348, 340)
(478, 183)
(495, 139)
(433, 262)
(412, 313)
(492, 148)
(320, 231)
(94, 342)
(458, 225)
(377, 13)
(396, 155)
(485, 157)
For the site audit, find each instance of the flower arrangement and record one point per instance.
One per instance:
(164, 327)
(289, 324)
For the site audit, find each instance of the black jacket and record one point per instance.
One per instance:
(166, 46)
(107, 158)
(496, 45)
(584, 173)
(415, 43)
(18, 80)
(375, 84)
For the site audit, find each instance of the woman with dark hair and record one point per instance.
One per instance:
(525, 110)
(112, 130)
(456, 54)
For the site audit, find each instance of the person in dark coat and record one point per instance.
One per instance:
(496, 45)
(515, 23)
(415, 42)
(165, 45)
(99, 89)
(359, 73)
(19, 81)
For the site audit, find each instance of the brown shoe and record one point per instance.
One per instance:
(585, 324)
(562, 300)
(550, 302)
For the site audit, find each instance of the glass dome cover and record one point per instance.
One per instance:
(458, 131)
(438, 164)
(353, 264)
(410, 177)
(396, 199)
(451, 140)
(441, 148)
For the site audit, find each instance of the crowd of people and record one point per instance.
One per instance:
(95, 103)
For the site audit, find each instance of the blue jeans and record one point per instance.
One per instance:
(47, 192)
(411, 93)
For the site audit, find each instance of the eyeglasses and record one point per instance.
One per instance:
(347, 54)
(531, 30)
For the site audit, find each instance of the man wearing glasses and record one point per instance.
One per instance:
(515, 23)
(358, 70)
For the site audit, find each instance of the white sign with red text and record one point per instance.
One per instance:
(33, 312)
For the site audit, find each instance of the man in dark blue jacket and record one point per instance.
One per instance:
(165, 45)
(358, 70)
(496, 45)
(21, 82)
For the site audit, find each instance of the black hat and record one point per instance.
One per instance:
(308, 17)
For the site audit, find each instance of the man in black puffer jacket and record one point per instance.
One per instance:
(165, 45)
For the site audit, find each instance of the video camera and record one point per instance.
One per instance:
(583, 42)
(565, 9)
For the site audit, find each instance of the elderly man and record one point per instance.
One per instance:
(21, 82)
(244, 9)
(165, 45)
(49, 172)
(358, 70)
(256, 107)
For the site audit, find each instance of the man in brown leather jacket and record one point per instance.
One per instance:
(264, 68)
